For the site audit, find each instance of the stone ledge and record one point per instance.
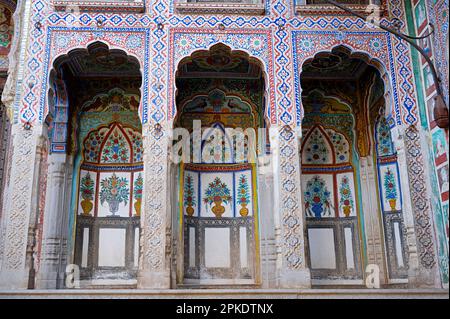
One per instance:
(220, 8)
(228, 293)
(136, 6)
(327, 9)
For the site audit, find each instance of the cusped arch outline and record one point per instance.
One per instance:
(265, 63)
(384, 68)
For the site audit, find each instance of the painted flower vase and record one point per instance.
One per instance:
(190, 210)
(87, 206)
(114, 206)
(317, 207)
(218, 209)
(137, 206)
(393, 203)
(347, 210)
(244, 210)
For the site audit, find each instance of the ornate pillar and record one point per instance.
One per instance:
(417, 209)
(14, 271)
(55, 228)
(267, 225)
(154, 262)
(4, 145)
(289, 218)
(37, 194)
(5, 168)
(372, 218)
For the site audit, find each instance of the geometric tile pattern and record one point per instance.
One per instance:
(159, 26)
(421, 203)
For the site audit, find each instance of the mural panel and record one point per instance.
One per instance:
(110, 185)
(389, 185)
(329, 194)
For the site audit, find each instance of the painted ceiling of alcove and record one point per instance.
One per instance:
(99, 61)
(6, 29)
(219, 62)
(335, 65)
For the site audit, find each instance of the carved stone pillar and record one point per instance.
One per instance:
(417, 209)
(54, 239)
(154, 263)
(289, 218)
(4, 144)
(14, 271)
(372, 218)
(37, 194)
(267, 225)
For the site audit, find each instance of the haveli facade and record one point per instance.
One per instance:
(351, 175)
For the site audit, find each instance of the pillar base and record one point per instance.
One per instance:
(295, 279)
(423, 278)
(153, 280)
(14, 279)
(48, 280)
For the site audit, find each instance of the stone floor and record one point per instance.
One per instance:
(230, 294)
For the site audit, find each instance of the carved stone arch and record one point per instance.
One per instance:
(99, 48)
(367, 57)
(233, 50)
(98, 51)
(209, 86)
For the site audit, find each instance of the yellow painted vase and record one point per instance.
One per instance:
(244, 210)
(218, 209)
(137, 206)
(393, 203)
(347, 210)
(87, 206)
(190, 210)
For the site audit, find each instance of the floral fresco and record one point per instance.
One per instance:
(385, 147)
(116, 149)
(346, 201)
(390, 188)
(316, 149)
(138, 187)
(217, 193)
(317, 198)
(243, 195)
(5, 28)
(189, 195)
(87, 193)
(114, 190)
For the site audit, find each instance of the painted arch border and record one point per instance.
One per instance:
(300, 56)
(212, 37)
(81, 38)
